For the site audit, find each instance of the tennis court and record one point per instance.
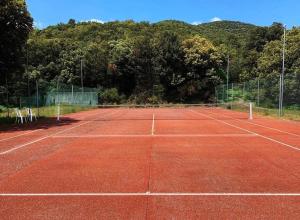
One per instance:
(196, 162)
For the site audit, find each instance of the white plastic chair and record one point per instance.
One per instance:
(19, 116)
(30, 114)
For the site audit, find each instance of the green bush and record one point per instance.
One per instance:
(2, 108)
(154, 100)
(111, 96)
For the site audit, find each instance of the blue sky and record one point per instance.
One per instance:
(260, 12)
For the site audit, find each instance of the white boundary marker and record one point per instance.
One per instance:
(43, 138)
(251, 132)
(153, 125)
(155, 135)
(23, 134)
(149, 194)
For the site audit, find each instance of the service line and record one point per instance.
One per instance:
(153, 125)
(154, 135)
(149, 194)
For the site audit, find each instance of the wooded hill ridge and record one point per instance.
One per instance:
(160, 67)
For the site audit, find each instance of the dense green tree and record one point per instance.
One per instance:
(270, 61)
(142, 60)
(96, 64)
(120, 68)
(168, 63)
(256, 42)
(203, 63)
(270, 66)
(15, 26)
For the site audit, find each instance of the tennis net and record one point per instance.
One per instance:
(220, 111)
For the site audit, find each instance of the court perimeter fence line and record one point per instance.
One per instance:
(45, 99)
(264, 94)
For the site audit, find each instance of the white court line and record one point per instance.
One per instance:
(43, 138)
(155, 135)
(274, 129)
(153, 125)
(38, 140)
(251, 132)
(30, 132)
(149, 194)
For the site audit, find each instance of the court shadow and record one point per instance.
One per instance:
(42, 123)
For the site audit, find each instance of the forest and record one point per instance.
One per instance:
(137, 62)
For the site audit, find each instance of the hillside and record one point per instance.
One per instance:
(144, 62)
(223, 30)
(218, 32)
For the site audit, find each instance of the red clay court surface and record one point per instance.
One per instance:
(189, 163)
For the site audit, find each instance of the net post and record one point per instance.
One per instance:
(258, 92)
(58, 112)
(251, 111)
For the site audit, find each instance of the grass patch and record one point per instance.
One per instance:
(43, 112)
(289, 113)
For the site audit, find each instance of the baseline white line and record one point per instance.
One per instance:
(155, 135)
(251, 132)
(153, 125)
(41, 139)
(30, 132)
(149, 194)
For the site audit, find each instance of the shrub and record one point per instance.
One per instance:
(110, 96)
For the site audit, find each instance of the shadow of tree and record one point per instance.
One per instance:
(42, 123)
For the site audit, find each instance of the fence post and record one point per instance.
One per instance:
(72, 94)
(232, 92)
(7, 94)
(258, 92)
(37, 98)
(223, 94)
(244, 89)
(232, 95)
(279, 102)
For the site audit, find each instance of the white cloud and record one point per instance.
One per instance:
(38, 25)
(215, 19)
(197, 22)
(95, 20)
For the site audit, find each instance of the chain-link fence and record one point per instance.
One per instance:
(62, 95)
(264, 93)
(46, 98)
